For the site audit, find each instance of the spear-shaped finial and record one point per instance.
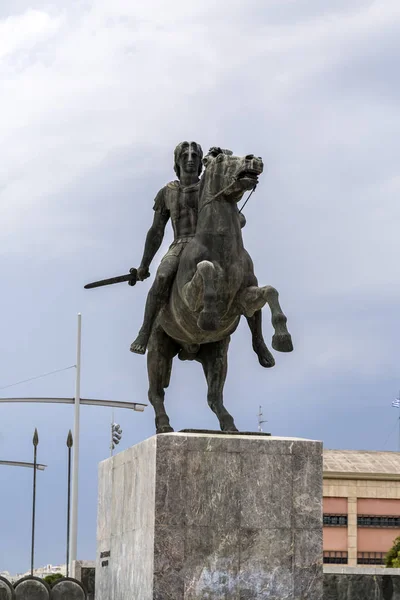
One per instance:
(35, 438)
(70, 441)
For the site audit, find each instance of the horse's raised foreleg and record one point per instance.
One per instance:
(214, 359)
(254, 298)
(160, 354)
(201, 292)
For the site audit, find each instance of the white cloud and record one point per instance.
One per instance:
(22, 33)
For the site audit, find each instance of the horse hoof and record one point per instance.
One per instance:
(166, 429)
(208, 321)
(265, 357)
(282, 342)
(229, 426)
(138, 349)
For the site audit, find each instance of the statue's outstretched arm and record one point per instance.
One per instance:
(153, 242)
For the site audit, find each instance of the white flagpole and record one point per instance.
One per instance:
(75, 466)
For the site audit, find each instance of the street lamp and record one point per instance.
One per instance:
(77, 401)
(14, 463)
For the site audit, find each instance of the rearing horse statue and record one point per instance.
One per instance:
(215, 285)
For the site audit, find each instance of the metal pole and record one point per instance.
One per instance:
(35, 444)
(69, 446)
(75, 465)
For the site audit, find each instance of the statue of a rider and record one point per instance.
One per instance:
(178, 200)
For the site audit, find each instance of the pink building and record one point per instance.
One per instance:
(361, 506)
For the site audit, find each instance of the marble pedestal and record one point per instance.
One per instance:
(187, 516)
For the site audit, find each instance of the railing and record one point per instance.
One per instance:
(391, 522)
(371, 558)
(335, 520)
(335, 557)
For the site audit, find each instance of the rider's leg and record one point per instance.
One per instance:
(156, 299)
(202, 290)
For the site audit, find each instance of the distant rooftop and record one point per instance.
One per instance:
(361, 464)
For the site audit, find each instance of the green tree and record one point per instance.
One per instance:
(392, 558)
(50, 579)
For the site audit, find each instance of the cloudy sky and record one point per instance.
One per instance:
(94, 97)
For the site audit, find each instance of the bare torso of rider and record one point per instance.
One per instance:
(178, 201)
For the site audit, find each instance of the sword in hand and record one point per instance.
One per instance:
(131, 278)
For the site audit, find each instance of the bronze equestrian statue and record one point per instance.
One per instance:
(206, 281)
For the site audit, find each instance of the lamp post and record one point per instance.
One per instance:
(77, 401)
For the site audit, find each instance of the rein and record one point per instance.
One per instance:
(221, 193)
(248, 198)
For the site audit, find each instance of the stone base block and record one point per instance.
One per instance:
(187, 516)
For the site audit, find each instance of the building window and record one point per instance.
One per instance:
(335, 557)
(371, 558)
(335, 520)
(374, 521)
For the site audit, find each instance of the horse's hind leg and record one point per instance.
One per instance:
(214, 359)
(254, 298)
(201, 291)
(160, 354)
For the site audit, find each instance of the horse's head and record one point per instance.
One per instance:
(230, 176)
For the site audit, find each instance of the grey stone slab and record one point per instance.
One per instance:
(143, 494)
(268, 445)
(129, 568)
(169, 560)
(266, 563)
(117, 508)
(307, 448)
(213, 443)
(266, 491)
(213, 489)
(307, 490)
(171, 441)
(105, 499)
(138, 547)
(308, 568)
(171, 484)
(212, 563)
